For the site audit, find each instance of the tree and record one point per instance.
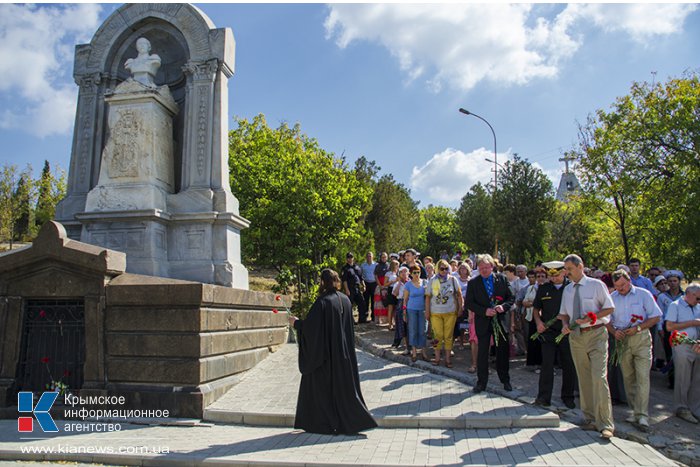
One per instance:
(303, 202)
(16, 191)
(440, 230)
(394, 219)
(51, 188)
(521, 206)
(568, 230)
(474, 220)
(639, 164)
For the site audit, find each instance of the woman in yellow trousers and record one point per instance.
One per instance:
(443, 303)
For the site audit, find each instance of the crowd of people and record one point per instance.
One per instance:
(606, 330)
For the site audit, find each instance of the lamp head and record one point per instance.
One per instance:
(464, 111)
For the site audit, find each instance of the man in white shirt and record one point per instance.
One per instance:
(370, 281)
(589, 343)
(683, 315)
(636, 312)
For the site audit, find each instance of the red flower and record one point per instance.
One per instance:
(275, 310)
(42, 314)
(44, 359)
(672, 338)
(593, 317)
(278, 298)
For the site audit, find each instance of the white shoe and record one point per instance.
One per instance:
(643, 424)
(631, 419)
(686, 415)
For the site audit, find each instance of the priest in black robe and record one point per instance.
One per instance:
(330, 400)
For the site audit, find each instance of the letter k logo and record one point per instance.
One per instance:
(25, 403)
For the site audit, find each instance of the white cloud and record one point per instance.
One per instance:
(36, 64)
(464, 44)
(642, 21)
(449, 175)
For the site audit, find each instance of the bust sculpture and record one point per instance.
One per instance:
(145, 66)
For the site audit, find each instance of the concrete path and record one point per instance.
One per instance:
(674, 437)
(245, 445)
(396, 394)
(392, 390)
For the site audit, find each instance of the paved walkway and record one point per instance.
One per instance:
(673, 436)
(397, 395)
(245, 445)
(391, 389)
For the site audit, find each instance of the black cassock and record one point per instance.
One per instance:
(330, 400)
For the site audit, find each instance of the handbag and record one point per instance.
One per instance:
(384, 293)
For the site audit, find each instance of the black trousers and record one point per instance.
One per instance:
(357, 299)
(370, 287)
(550, 350)
(615, 381)
(502, 357)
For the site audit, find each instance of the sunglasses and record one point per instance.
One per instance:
(415, 272)
(444, 269)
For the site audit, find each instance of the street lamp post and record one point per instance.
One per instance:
(495, 164)
(495, 153)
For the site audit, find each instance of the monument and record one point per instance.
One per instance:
(568, 184)
(149, 166)
(137, 291)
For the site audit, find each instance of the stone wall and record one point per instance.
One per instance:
(179, 345)
(162, 343)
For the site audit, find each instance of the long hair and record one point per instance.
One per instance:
(330, 282)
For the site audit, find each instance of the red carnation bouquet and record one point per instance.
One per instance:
(678, 338)
(591, 316)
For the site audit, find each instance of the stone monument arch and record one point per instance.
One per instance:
(166, 201)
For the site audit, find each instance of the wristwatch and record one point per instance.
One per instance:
(639, 328)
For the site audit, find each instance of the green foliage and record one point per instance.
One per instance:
(639, 165)
(474, 220)
(25, 203)
(51, 188)
(568, 230)
(285, 281)
(440, 230)
(303, 202)
(522, 205)
(394, 217)
(15, 190)
(24, 222)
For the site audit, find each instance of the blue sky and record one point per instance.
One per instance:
(384, 81)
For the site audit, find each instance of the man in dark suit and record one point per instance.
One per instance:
(490, 298)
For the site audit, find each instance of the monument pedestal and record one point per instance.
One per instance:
(149, 163)
(126, 211)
